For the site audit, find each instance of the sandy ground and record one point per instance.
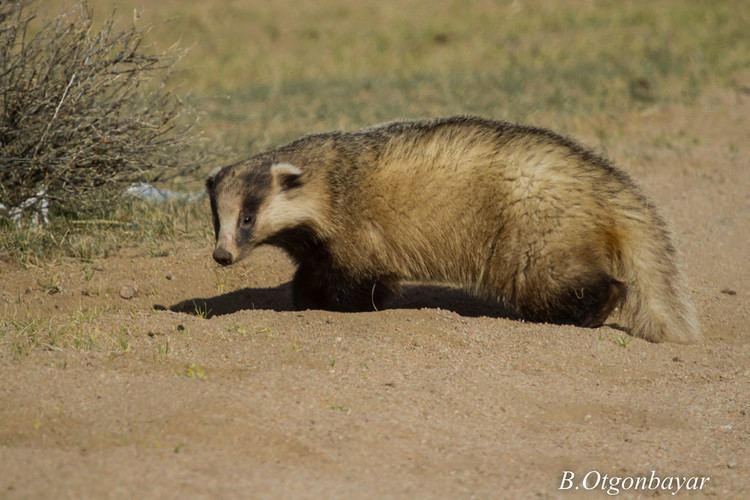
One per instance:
(434, 397)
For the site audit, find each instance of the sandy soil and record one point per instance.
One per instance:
(434, 397)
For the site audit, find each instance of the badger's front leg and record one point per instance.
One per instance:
(308, 290)
(317, 286)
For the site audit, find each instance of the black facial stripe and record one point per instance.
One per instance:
(249, 211)
(211, 187)
(244, 234)
(250, 207)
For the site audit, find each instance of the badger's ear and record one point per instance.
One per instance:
(286, 176)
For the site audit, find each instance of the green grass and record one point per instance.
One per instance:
(80, 330)
(195, 372)
(623, 340)
(201, 310)
(263, 73)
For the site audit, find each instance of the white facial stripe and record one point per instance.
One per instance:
(226, 238)
(284, 169)
(285, 210)
(287, 213)
(228, 209)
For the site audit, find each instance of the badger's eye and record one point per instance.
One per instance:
(247, 220)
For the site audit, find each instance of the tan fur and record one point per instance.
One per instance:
(229, 209)
(515, 214)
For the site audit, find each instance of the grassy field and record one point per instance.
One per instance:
(267, 72)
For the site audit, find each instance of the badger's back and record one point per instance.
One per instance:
(440, 196)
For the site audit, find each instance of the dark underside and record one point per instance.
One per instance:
(321, 284)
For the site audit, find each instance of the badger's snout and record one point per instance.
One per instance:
(222, 256)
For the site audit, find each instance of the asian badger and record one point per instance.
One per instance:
(516, 214)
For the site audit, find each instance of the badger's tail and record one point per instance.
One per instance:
(657, 307)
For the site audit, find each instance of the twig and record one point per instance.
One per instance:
(102, 222)
(57, 110)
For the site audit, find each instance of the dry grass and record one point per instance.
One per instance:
(102, 234)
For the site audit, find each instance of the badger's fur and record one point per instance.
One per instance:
(516, 214)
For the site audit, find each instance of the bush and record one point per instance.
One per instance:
(81, 114)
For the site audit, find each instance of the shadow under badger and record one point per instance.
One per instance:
(515, 214)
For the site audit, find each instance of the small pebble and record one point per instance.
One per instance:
(127, 292)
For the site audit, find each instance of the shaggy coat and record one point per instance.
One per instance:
(515, 214)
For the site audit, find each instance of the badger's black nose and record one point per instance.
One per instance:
(222, 256)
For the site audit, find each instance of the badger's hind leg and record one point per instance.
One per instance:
(321, 287)
(587, 303)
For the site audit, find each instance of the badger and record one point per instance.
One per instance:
(515, 214)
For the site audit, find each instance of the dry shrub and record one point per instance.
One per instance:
(83, 111)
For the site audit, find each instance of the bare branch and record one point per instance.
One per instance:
(83, 112)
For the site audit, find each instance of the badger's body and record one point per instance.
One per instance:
(515, 214)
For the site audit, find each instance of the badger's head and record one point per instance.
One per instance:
(255, 202)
